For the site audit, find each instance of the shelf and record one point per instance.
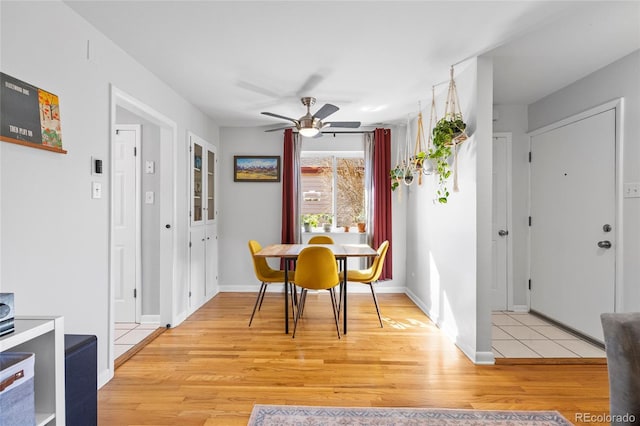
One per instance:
(25, 330)
(43, 336)
(44, 418)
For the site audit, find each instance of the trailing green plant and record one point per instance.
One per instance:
(418, 159)
(444, 132)
(396, 174)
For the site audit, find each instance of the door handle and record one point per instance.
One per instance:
(604, 244)
(503, 233)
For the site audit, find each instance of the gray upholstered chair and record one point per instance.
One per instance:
(622, 345)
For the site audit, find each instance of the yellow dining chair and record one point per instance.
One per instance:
(321, 239)
(316, 269)
(265, 274)
(370, 275)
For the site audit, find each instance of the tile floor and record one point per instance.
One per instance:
(523, 335)
(130, 334)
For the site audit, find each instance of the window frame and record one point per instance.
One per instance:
(335, 155)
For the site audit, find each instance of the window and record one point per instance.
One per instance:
(333, 187)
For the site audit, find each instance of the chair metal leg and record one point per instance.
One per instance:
(298, 313)
(294, 299)
(303, 301)
(263, 289)
(332, 292)
(375, 300)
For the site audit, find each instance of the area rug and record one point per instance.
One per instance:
(285, 415)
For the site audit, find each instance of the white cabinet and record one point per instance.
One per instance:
(203, 236)
(44, 336)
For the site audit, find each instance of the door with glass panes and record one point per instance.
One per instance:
(203, 236)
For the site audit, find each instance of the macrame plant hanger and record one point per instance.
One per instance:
(397, 171)
(433, 118)
(407, 163)
(419, 153)
(452, 112)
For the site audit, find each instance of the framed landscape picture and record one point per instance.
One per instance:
(256, 168)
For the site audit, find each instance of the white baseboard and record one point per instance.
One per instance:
(150, 319)
(104, 377)
(279, 288)
(520, 308)
(479, 358)
(484, 358)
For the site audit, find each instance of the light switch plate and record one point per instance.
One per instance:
(149, 197)
(631, 190)
(96, 190)
(149, 167)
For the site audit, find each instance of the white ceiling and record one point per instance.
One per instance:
(375, 60)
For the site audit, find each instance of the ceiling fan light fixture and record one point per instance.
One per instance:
(308, 132)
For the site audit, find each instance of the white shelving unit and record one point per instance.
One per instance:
(44, 336)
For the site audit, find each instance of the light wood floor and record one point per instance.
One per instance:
(212, 369)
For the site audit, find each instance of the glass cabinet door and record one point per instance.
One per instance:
(211, 165)
(197, 184)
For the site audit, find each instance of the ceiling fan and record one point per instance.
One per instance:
(310, 125)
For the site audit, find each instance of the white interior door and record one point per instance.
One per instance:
(126, 226)
(197, 267)
(500, 230)
(211, 247)
(211, 267)
(572, 201)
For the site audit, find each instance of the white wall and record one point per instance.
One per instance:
(253, 211)
(448, 246)
(619, 79)
(513, 119)
(55, 238)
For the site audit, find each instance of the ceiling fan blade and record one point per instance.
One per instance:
(325, 111)
(278, 128)
(309, 85)
(280, 116)
(346, 124)
(257, 89)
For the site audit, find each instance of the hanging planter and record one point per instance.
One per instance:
(404, 171)
(419, 154)
(448, 133)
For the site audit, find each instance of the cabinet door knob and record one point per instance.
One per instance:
(167, 226)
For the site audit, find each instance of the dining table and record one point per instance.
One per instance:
(290, 252)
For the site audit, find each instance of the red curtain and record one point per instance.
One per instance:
(382, 196)
(288, 190)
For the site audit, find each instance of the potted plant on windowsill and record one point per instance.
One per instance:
(309, 221)
(327, 220)
(361, 222)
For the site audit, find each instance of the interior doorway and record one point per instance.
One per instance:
(501, 240)
(126, 223)
(165, 197)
